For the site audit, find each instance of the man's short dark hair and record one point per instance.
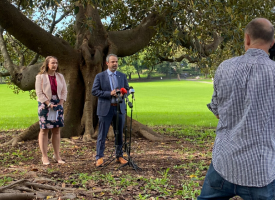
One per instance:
(257, 30)
(109, 55)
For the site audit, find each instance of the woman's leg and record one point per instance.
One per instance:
(43, 144)
(56, 144)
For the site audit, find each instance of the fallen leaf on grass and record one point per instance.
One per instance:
(130, 188)
(192, 176)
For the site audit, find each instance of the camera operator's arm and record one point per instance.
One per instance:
(213, 106)
(97, 90)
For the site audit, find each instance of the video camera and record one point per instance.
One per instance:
(272, 52)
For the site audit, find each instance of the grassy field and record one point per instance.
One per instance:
(17, 111)
(166, 102)
(173, 102)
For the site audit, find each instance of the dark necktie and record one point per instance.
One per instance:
(114, 83)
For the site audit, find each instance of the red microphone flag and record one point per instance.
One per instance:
(123, 91)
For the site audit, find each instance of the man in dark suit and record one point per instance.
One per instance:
(105, 85)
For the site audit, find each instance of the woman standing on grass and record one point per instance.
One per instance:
(51, 91)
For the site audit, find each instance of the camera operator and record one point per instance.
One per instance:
(243, 159)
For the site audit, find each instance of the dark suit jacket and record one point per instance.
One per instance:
(102, 89)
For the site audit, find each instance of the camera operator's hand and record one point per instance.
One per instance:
(113, 93)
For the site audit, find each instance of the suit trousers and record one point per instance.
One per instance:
(104, 124)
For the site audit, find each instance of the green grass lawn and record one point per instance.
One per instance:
(17, 111)
(172, 102)
(166, 102)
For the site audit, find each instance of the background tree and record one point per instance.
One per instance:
(128, 70)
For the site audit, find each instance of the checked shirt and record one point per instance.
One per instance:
(244, 99)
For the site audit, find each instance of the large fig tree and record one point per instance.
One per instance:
(97, 28)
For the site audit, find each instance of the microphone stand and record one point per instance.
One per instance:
(126, 126)
(130, 162)
(113, 156)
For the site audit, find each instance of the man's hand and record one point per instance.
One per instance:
(113, 93)
(217, 116)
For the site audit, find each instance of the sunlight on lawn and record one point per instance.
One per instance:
(166, 102)
(173, 102)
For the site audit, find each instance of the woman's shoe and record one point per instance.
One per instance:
(58, 161)
(45, 163)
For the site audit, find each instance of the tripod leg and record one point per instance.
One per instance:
(130, 161)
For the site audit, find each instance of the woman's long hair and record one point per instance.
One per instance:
(45, 67)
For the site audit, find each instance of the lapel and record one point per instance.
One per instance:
(46, 79)
(46, 85)
(118, 76)
(106, 80)
(58, 82)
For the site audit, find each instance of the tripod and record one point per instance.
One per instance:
(127, 145)
(118, 148)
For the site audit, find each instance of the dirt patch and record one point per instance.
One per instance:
(170, 170)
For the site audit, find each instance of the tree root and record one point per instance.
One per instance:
(28, 134)
(138, 130)
(18, 196)
(27, 190)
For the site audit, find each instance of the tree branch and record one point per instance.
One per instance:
(4, 74)
(54, 16)
(128, 42)
(42, 42)
(203, 49)
(179, 59)
(21, 54)
(8, 64)
(64, 15)
(34, 60)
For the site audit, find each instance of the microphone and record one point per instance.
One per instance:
(124, 93)
(119, 100)
(132, 91)
(117, 91)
